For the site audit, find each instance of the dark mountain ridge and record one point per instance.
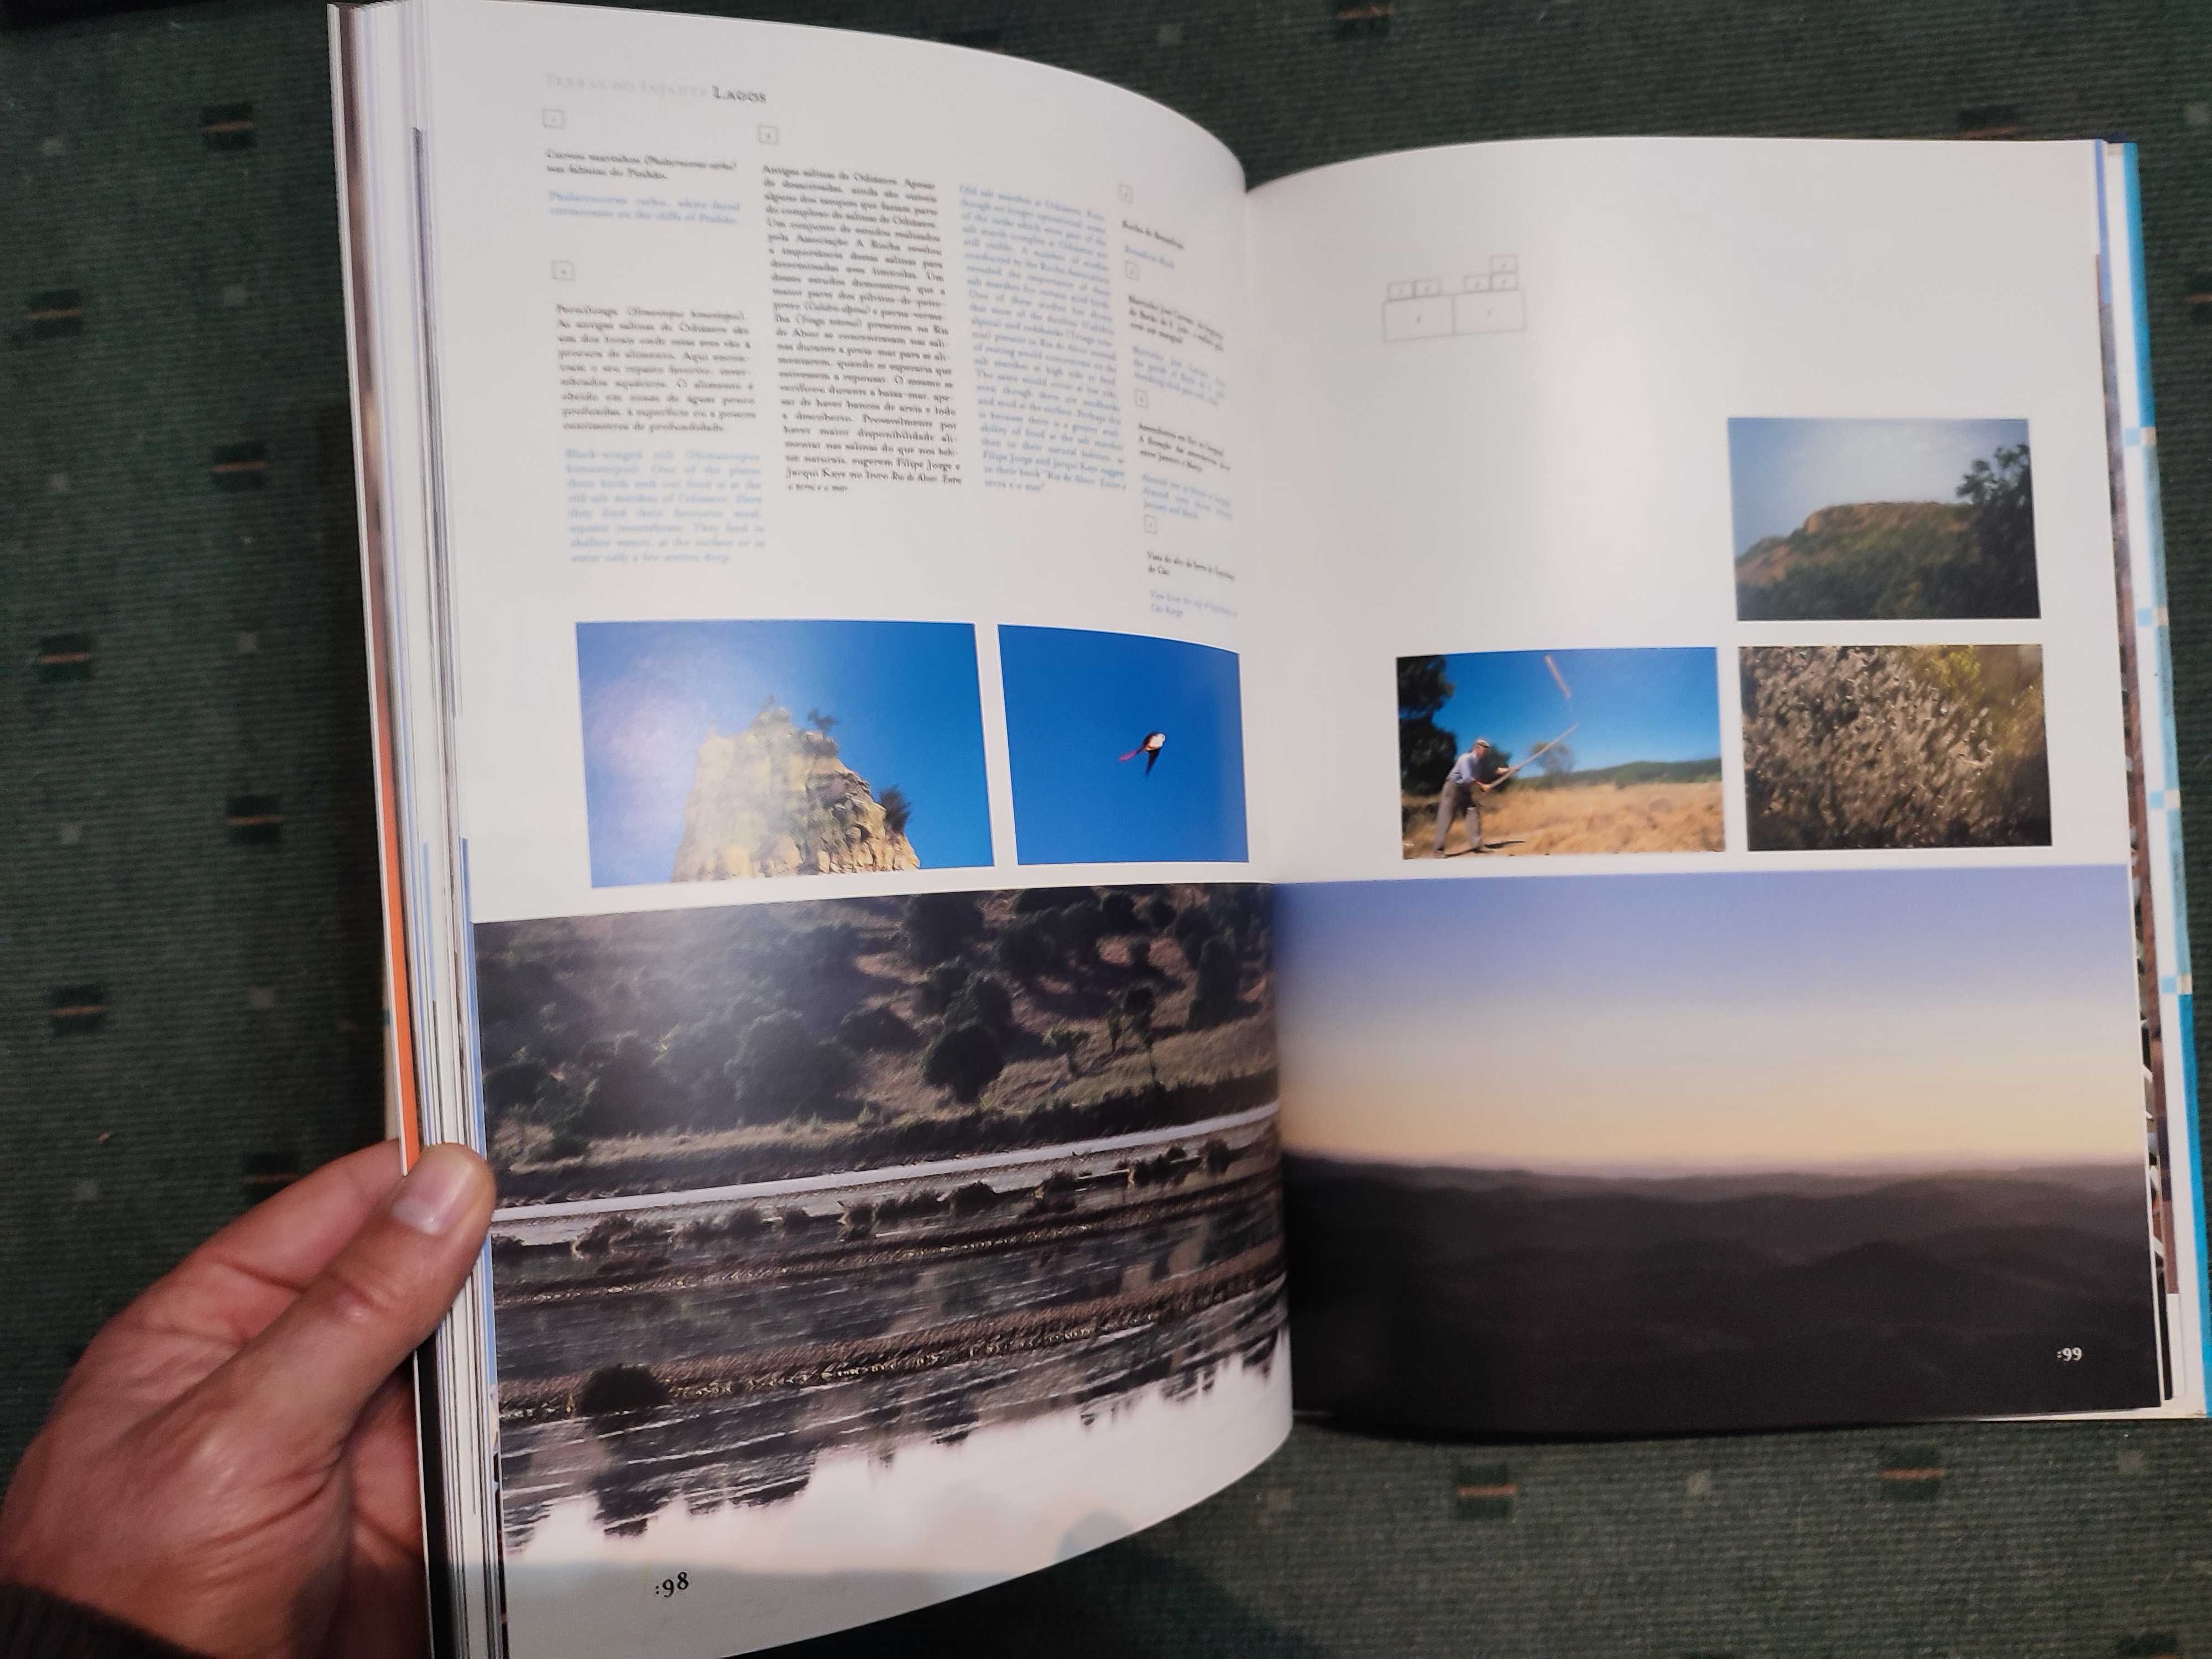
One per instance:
(1479, 1301)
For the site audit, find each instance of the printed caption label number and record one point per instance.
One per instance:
(2070, 1356)
(667, 1589)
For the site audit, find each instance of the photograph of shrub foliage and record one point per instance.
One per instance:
(675, 1050)
(1855, 746)
(1867, 519)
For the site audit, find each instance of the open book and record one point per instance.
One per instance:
(1041, 809)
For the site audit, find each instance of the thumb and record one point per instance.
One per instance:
(308, 1375)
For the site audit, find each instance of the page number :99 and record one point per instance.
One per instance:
(2070, 1356)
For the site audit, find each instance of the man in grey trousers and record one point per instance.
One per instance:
(1473, 775)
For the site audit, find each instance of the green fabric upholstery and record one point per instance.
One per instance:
(185, 842)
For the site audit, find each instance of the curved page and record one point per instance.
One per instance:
(867, 1005)
(1730, 960)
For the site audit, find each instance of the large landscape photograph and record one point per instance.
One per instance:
(1702, 1152)
(837, 1214)
(1858, 520)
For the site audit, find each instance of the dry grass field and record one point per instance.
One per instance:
(1598, 818)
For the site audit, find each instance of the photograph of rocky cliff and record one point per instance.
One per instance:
(774, 799)
(674, 1050)
(696, 767)
(1859, 520)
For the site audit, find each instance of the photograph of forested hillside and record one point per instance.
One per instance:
(1875, 520)
(678, 1049)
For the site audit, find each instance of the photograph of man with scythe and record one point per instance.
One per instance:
(1474, 774)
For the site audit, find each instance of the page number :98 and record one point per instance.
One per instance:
(668, 1588)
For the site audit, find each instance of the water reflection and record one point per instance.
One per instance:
(711, 1357)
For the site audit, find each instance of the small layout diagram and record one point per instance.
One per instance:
(1486, 303)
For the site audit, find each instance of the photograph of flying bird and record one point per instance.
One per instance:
(1149, 748)
(1081, 706)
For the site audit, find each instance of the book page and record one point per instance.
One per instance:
(839, 471)
(1711, 992)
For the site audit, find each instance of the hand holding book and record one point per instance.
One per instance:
(804, 488)
(232, 1467)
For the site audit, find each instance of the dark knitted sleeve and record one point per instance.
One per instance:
(36, 1625)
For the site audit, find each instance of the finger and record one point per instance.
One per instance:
(235, 1284)
(224, 1294)
(307, 1377)
(293, 1235)
(384, 1465)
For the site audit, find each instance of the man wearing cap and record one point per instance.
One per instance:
(1473, 775)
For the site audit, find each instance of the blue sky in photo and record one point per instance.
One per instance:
(1076, 701)
(1781, 470)
(1651, 704)
(905, 697)
(1801, 1019)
